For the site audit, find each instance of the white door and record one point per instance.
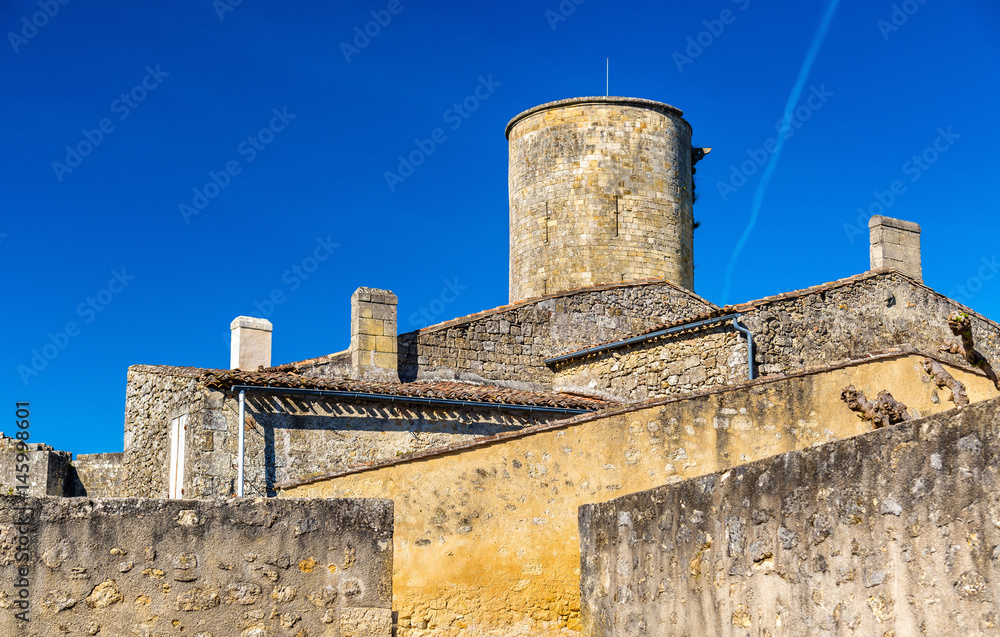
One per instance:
(178, 429)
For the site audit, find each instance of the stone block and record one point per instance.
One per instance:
(370, 326)
(385, 344)
(365, 622)
(364, 343)
(895, 243)
(384, 312)
(385, 360)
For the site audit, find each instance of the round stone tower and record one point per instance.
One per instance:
(600, 192)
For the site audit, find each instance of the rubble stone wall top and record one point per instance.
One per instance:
(219, 568)
(890, 532)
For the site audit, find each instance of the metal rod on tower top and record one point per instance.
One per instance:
(607, 84)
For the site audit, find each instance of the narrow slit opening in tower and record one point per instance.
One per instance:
(618, 215)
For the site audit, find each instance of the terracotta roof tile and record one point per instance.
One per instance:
(227, 378)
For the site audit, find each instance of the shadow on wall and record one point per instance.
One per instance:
(292, 437)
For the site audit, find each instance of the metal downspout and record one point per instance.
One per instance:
(241, 427)
(750, 349)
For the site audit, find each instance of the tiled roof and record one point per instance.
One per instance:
(894, 352)
(228, 378)
(419, 389)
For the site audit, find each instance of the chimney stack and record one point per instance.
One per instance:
(250, 345)
(895, 244)
(373, 335)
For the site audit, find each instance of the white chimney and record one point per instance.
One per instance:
(251, 343)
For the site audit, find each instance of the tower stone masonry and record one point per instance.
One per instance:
(601, 191)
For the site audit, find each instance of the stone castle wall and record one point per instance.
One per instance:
(867, 313)
(286, 437)
(203, 568)
(674, 365)
(600, 192)
(40, 468)
(153, 398)
(97, 475)
(510, 344)
(508, 506)
(889, 533)
(853, 318)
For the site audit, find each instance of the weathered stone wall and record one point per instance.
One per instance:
(600, 192)
(286, 437)
(896, 244)
(39, 468)
(154, 397)
(507, 507)
(509, 344)
(204, 568)
(863, 314)
(336, 365)
(890, 533)
(96, 475)
(792, 332)
(668, 366)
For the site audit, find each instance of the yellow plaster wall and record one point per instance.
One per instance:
(486, 539)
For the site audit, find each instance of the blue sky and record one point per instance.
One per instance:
(214, 148)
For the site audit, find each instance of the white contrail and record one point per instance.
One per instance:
(786, 122)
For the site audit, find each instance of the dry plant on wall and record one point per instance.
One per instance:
(963, 343)
(943, 379)
(883, 412)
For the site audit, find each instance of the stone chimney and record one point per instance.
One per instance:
(896, 244)
(251, 343)
(373, 335)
